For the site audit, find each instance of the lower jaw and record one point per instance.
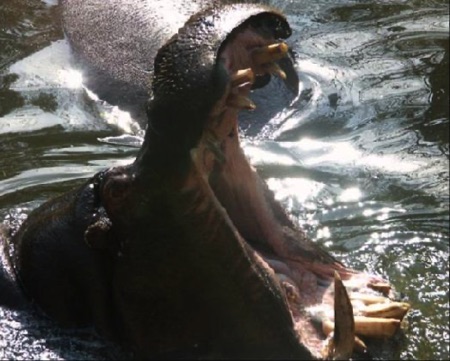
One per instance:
(304, 273)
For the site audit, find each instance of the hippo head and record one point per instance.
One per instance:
(207, 261)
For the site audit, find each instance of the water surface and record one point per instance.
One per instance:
(360, 158)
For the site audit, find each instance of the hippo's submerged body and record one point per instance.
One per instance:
(185, 252)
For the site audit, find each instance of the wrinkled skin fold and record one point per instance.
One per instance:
(185, 252)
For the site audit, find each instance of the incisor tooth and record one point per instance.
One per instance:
(376, 327)
(368, 326)
(368, 299)
(328, 328)
(387, 310)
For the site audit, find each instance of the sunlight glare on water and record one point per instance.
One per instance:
(346, 153)
(71, 78)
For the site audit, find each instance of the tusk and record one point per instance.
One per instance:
(344, 324)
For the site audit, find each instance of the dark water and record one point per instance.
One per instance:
(360, 158)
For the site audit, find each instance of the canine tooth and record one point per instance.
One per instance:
(344, 325)
(240, 102)
(387, 310)
(242, 76)
(269, 53)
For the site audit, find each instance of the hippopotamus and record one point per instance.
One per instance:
(186, 252)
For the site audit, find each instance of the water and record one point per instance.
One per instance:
(360, 159)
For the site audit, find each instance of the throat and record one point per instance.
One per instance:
(238, 189)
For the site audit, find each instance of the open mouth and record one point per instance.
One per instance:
(329, 304)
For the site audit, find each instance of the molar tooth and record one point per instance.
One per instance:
(240, 102)
(269, 53)
(289, 287)
(387, 310)
(291, 292)
(242, 76)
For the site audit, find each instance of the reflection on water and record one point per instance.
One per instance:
(359, 158)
